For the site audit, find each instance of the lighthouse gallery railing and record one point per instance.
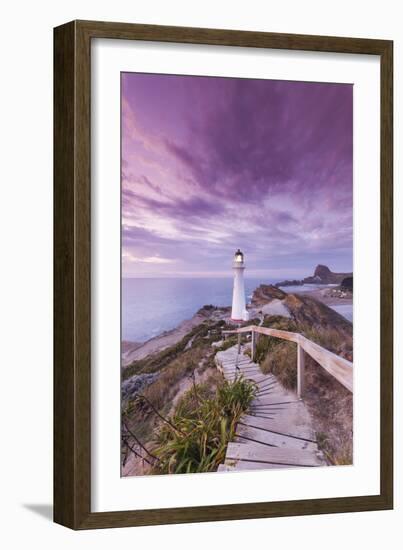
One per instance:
(336, 366)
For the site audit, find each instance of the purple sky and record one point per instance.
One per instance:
(213, 164)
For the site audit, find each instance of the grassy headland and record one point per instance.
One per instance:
(183, 412)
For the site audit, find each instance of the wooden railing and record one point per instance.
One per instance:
(337, 366)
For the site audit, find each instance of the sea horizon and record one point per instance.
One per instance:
(153, 305)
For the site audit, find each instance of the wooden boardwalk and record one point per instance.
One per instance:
(277, 430)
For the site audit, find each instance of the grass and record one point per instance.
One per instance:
(279, 357)
(205, 424)
(164, 388)
(228, 343)
(331, 408)
(201, 336)
(282, 362)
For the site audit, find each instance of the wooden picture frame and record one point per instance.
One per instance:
(72, 272)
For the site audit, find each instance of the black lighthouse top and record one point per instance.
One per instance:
(238, 256)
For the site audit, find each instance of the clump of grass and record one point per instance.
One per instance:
(282, 362)
(191, 399)
(340, 455)
(204, 426)
(228, 343)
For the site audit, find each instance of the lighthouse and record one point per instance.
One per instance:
(239, 313)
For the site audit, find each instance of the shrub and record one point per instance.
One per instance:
(204, 426)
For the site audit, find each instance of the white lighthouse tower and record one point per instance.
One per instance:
(239, 312)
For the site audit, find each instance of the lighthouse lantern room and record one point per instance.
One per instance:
(239, 313)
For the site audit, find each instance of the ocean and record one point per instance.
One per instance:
(152, 306)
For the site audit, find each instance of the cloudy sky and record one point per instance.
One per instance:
(213, 164)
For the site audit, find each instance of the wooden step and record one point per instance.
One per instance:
(244, 465)
(266, 438)
(256, 377)
(243, 366)
(232, 361)
(232, 369)
(280, 425)
(254, 452)
(272, 401)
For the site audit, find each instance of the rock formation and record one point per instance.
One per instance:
(322, 275)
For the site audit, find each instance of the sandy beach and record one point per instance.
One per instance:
(322, 294)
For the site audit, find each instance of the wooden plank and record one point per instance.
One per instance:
(265, 437)
(288, 456)
(244, 366)
(269, 392)
(280, 425)
(253, 345)
(283, 334)
(338, 367)
(244, 465)
(280, 399)
(300, 371)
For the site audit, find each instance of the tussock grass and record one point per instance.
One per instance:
(204, 426)
(164, 388)
(282, 362)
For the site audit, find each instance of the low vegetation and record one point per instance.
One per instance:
(282, 362)
(204, 423)
(201, 336)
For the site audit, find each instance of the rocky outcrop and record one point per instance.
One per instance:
(264, 294)
(322, 275)
(347, 284)
(136, 383)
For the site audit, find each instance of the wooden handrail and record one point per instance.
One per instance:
(337, 366)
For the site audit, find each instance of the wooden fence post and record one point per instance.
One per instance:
(300, 371)
(253, 350)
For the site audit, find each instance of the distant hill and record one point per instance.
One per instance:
(322, 275)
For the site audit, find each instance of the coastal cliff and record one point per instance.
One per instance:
(322, 275)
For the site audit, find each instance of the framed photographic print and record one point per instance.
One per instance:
(223, 275)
